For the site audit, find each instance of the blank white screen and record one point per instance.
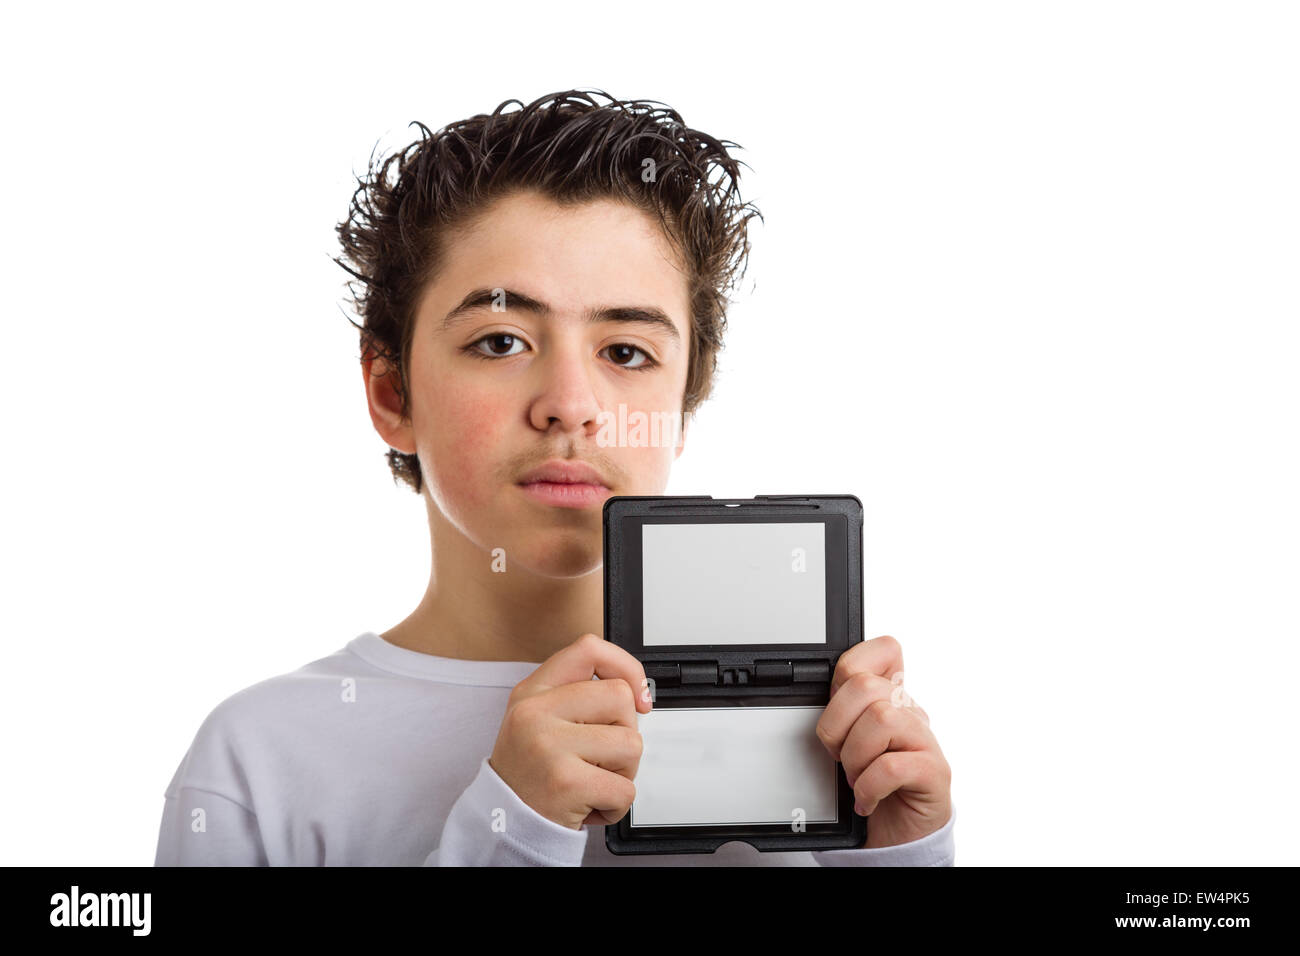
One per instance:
(733, 583)
(704, 766)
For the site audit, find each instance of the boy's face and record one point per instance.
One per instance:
(486, 408)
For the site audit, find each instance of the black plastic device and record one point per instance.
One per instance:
(728, 649)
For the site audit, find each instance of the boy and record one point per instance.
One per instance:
(523, 272)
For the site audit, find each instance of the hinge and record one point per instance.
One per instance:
(767, 673)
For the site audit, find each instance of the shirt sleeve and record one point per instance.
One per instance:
(489, 825)
(933, 849)
(203, 828)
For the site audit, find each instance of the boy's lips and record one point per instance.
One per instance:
(559, 471)
(566, 484)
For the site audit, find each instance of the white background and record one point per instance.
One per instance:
(1027, 286)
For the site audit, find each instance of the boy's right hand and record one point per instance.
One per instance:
(569, 745)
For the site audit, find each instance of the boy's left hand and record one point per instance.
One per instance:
(899, 776)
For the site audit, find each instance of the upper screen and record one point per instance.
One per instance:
(734, 583)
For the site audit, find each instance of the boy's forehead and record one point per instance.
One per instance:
(597, 255)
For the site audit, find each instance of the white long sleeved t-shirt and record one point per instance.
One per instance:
(377, 756)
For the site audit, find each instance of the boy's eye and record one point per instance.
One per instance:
(503, 339)
(624, 349)
(501, 345)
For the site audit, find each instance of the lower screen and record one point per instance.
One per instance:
(711, 766)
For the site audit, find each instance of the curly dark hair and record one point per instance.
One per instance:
(571, 149)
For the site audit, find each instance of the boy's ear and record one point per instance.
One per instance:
(386, 405)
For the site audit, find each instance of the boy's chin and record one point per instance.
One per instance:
(558, 554)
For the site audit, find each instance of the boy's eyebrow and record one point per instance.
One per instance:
(484, 298)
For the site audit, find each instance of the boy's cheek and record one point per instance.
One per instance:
(645, 470)
(464, 442)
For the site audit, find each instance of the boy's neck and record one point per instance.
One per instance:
(471, 612)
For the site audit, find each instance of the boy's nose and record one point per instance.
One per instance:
(565, 392)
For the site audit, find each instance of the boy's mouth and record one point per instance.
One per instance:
(566, 494)
(565, 484)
